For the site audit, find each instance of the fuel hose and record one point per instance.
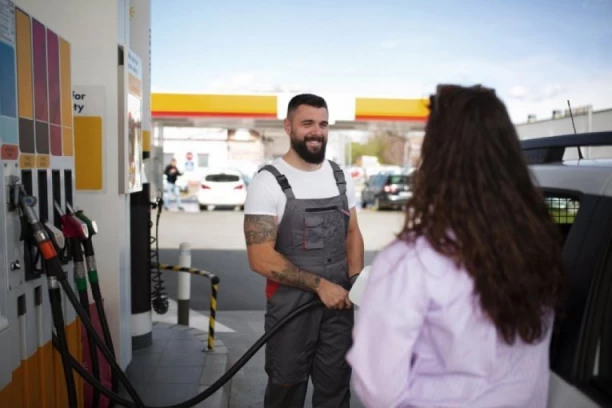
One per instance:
(81, 283)
(92, 274)
(214, 387)
(55, 298)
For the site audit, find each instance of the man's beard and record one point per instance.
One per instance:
(313, 157)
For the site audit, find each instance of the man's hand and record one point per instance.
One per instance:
(333, 296)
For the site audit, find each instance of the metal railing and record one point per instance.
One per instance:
(185, 271)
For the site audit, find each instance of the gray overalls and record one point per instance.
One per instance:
(312, 235)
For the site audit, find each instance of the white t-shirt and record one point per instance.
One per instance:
(265, 196)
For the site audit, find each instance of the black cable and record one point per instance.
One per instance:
(159, 297)
(214, 387)
(55, 298)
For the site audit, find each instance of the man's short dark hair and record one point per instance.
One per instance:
(305, 99)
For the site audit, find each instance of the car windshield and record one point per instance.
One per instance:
(222, 178)
(399, 179)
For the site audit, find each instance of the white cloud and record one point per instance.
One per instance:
(525, 94)
(579, 93)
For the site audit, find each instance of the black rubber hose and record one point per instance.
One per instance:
(97, 295)
(77, 257)
(93, 350)
(55, 298)
(214, 387)
(94, 382)
(246, 356)
(90, 329)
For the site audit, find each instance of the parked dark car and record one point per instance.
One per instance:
(387, 190)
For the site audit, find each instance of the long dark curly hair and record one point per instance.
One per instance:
(474, 201)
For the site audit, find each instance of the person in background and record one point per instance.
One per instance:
(172, 173)
(458, 311)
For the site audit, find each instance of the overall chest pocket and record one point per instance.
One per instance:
(314, 232)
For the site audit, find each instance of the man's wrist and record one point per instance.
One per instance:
(320, 284)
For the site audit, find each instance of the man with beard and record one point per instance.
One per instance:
(302, 235)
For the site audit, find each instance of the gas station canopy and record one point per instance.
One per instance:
(259, 111)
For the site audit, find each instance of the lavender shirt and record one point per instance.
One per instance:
(421, 340)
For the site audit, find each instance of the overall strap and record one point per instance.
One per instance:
(339, 176)
(281, 179)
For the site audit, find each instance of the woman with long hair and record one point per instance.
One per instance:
(458, 311)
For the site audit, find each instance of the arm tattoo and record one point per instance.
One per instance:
(259, 229)
(294, 276)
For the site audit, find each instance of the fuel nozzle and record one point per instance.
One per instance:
(92, 227)
(45, 244)
(56, 235)
(72, 227)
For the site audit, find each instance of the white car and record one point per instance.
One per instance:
(222, 188)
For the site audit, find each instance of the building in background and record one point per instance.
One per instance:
(560, 123)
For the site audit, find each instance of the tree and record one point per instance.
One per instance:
(387, 146)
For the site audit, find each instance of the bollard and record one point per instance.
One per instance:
(184, 284)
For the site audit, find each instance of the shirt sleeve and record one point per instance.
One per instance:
(390, 318)
(261, 199)
(350, 189)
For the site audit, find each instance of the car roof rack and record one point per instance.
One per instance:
(552, 149)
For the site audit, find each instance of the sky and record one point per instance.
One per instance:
(537, 54)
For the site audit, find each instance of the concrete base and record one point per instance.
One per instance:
(142, 341)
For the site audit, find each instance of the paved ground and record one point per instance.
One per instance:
(218, 246)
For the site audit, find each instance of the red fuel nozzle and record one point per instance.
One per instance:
(71, 226)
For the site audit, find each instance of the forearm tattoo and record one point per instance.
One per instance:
(291, 275)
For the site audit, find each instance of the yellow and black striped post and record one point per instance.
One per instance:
(214, 286)
(214, 289)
